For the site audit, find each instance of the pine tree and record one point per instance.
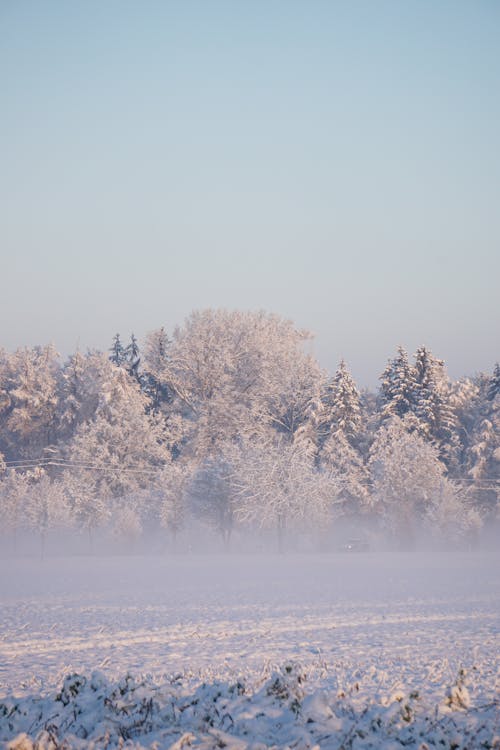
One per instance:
(484, 449)
(398, 387)
(342, 406)
(156, 363)
(132, 358)
(117, 352)
(433, 404)
(494, 384)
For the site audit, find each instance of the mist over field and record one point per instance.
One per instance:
(307, 649)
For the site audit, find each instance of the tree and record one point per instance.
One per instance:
(82, 384)
(212, 495)
(13, 489)
(278, 487)
(450, 514)
(342, 408)
(88, 509)
(233, 375)
(122, 448)
(117, 352)
(171, 488)
(432, 405)
(406, 475)
(132, 358)
(347, 469)
(494, 384)
(398, 387)
(484, 458)
(156, 360)
(44, 506)
(31, 386)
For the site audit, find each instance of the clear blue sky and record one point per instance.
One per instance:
(334, 162)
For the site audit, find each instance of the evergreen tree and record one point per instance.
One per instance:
(433, 406)
(494, 384)
(342, 407)
(117, 352)
(156, 361)
(398, 387)
(132, 359)
(484, 450)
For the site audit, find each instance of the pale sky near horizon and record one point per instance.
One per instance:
(337, 163)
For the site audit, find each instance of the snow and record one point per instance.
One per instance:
(251, 651)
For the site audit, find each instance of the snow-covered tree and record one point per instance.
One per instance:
(4, 387)
(13, 489)
(44, 507)
(212, 495)
(450, 514)
(117, 352)
(235, 374)
(278, 487)
(89, 510)
(82, 383)
(31, 386)
(341, 406)
(433, 401)
(398, 387)
(171, 488)
(465, 401)
(293, 408)
(127, 525)
(406, 476)
(155, 364)
(133, 358)
(121, 449)
(484, 457)
(347, 468)
(494, 384)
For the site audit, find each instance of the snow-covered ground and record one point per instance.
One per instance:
(252, 651)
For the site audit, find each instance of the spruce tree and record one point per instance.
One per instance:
(117, 352)
(433, 406)
(342, 405)
(132, 359)
(494, 384)
(397, 390)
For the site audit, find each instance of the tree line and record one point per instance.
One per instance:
(229, 423)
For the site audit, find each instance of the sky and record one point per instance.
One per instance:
(335, 162)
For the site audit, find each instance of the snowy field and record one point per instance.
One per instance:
(333, 651)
